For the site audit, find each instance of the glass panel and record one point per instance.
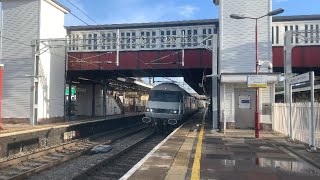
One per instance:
(297, 29)
(165, 96)
(84, 41)
(195, 37)
(114, 40)
(277, 34)
(311, 33)
(306, 33)
(90, 41)
(154, 39)
(162, 38)
(95, 41)
(133, 40)
(272, 35)
(103, 41)
(317, 33)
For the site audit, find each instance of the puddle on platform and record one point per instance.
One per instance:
(281, 165)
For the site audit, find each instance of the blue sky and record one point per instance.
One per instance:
(137, 11)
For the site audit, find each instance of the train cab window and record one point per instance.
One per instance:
(165, 96)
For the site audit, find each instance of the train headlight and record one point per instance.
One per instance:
(148, 110)
(175, 112)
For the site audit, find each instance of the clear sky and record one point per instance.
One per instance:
(137, 11)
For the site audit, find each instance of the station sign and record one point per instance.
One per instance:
(257, 81)
(299, 79)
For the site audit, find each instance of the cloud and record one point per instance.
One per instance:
(187, 10)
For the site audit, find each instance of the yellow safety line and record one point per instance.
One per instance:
(196, 162)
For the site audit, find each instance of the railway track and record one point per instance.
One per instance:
(35, 162)
(121, 162)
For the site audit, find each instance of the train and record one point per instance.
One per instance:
(168, 106)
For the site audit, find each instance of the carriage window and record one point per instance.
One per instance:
(165, 96)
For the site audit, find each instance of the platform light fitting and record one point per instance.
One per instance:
(211, 75)
(85, 79)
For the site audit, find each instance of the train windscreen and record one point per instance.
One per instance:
(165, 96)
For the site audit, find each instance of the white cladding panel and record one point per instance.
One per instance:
(20, 23)
(16, 88)
(266, 97)
(229, 102)
(52, 63)
(238, 36)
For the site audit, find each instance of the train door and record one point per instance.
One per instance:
(244, 108)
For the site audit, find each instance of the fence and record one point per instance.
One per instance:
(301, 116)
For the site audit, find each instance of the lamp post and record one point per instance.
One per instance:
(237, 16)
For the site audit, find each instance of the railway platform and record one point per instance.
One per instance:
(18, 138)
(194, 151)
(22, 127)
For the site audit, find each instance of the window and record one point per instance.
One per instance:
(128, 40)
(168, 39)
(154, 39)
(306, 33)
(84, 41)
(148, 39)
(297, 29)
(317, 33)
(174, 38)
(291, 29)
(311, 35)
(195, 37)
(277, 34)
(162, 38)
(133, 40)
(183, 39)
(272, 35)
(103, 40)
(215, 31)
(189, 36)
(109, 41)
(165, 96)
(90, 41)
(95, 41)
(122, 40)
(114, 40)
(209, 41)
(204, 32)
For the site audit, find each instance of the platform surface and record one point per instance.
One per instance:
(13, 129)
(189, 153)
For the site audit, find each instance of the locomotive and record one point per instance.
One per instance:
(168, 105)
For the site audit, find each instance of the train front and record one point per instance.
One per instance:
(164, 108)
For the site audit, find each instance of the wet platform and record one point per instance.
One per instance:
(193, 152)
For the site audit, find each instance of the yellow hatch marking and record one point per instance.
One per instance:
(196, 162)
